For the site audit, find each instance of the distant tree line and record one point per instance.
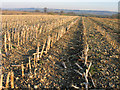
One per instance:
(45, 10)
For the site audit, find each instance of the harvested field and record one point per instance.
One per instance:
(53, 51)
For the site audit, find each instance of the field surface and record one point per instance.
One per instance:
(53, 51)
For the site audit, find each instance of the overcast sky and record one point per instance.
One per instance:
(109, 5)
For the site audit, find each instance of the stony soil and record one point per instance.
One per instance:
(50, 71)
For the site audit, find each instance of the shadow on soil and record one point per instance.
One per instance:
(70, 56)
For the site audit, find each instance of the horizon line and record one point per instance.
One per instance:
(62, 8)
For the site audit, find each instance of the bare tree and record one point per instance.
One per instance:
(61, 12)
(45, 10)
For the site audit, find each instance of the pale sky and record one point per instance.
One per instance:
(104, 5)
(60, 0)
